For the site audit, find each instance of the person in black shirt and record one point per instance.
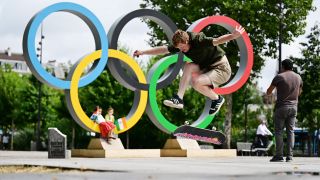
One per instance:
(210, 66)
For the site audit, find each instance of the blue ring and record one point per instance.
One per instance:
(30, 51)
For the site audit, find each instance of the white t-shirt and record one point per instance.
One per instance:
(263, 130)
(100, 119)
(5, 139)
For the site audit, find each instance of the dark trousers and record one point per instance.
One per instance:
(5, 146)
(285, 117)
(261, 141)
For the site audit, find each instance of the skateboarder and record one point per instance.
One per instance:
(210, 66)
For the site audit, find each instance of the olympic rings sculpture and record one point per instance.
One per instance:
(107, 55)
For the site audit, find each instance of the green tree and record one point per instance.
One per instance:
(248, 105)
(260, 19)
(29, 108)
(11, 87)
(76, 135)
(309, 69)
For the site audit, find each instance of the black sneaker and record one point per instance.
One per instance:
(288, 158)
(276, 159)
(174, 102)
(216, 105)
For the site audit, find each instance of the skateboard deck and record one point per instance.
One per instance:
(204, 135)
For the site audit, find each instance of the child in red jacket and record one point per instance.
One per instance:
(105, 128)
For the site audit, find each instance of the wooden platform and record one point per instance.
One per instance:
(99, 148)
(101, 144)
(120, 153)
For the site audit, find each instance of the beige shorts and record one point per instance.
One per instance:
(220, 72)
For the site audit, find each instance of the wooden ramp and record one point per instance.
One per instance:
(99, 148)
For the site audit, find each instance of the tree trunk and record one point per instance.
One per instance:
(318, 137)
(227, 122)
(318, 143)
(245, 102)
(309, 144)
(73, 135)
(127, 136)
(245, 122)
(12, 132)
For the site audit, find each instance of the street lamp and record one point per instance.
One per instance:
(280, 34)
(39, 49)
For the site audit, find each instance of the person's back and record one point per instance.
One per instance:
(263, 130)
(288, 84)
(5, 141)
(289, 87)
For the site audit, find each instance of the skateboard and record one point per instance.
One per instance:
(204, 135)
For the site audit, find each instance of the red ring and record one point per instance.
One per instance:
(223, 20)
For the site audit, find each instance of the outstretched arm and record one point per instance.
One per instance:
(154, 51)
(269, 132)
(228, 37)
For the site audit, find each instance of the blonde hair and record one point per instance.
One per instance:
(109, 109)
(180, 36)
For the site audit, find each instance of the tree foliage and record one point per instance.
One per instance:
(259, 18)
(309, 68)
(11, 86)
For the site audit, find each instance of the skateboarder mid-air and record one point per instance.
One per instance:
(209, 67)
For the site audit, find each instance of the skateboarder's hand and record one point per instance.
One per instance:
(137, 53)
(238, 31)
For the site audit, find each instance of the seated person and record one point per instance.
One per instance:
(110, 121)
(105, 127)
(261, 140)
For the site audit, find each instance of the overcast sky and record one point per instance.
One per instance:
(68, 38)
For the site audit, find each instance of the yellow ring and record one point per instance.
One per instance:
(75, 81)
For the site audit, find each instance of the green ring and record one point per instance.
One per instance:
(153, 100)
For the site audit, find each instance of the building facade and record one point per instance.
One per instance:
(15, 60)
(19, 65)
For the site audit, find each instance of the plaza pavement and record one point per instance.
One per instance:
(243, 167)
